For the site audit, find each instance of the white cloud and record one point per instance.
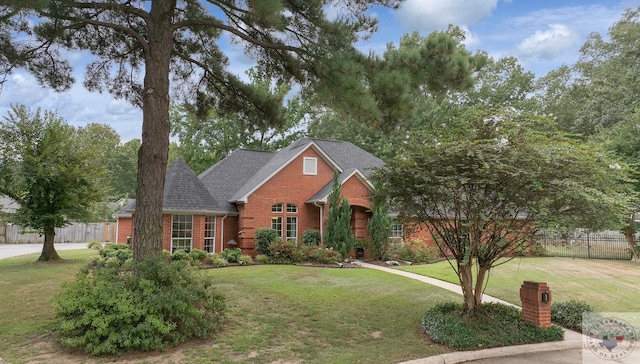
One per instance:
(22, 89)
(428, 15)
(549, 43)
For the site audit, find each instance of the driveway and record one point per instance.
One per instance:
(14, 250)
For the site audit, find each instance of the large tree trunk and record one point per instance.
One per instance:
(48, 250)
(629, 234)
(154, 150)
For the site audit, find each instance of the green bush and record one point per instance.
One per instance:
(311, 237)
(180, 255)
(198, 256)
(245, 259)
(232, 255)
(262, 258)
(110, 311)
(115, 255)
(416, 251)
(568, 314)
(217, 260)
(264, 238)
(323, 255)
(285, 252)
(94, 245)
(492, 325)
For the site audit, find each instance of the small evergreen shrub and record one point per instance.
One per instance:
(232, 255)
(116, 255)
(96, 245)
(216, 260)
(539, 250)
(110, 311)
(492, 325)
(263, 259)
(180, 255)
(568, 314)
(197, 256)
(245, 259)
(264, 238)
(311, 237)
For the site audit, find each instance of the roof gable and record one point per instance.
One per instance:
(323, 195)
(339, 154)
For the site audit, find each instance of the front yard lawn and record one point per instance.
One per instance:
(607, 285)
(276, 313)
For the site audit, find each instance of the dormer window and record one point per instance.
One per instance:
(310, 166)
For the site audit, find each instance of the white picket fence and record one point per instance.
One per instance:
(74, 233)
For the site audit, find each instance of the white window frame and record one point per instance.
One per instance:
(182, 233)
(276, 224)
(397, 231)
(292, 209)
(210, 234)
(310, 166)
(276, 207)
(292, 233)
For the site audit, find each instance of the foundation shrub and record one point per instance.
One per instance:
(232, 255)
(415, 250)
(264, 238)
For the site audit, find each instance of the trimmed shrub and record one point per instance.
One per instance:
(110, 311)
(245, 259)
(323, 255)
(311, 237)
(115, 255)
(198, 256)
(180, 255)
(285, 252)
(232, 255)
(216, 260)
(568, 314)
(262, 258)
(264, 238)
(492, 325)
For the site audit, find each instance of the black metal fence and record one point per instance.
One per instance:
(582, 244)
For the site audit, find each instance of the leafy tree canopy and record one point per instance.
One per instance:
(484, 184)
(51, 169)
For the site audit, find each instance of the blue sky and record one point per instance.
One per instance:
(542, 34)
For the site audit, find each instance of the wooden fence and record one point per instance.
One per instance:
(74, 233)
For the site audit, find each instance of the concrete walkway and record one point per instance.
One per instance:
(568, 351)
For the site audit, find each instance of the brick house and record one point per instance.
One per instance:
(285, 190)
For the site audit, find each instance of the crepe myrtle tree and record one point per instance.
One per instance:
(484, 184)
(150, 51)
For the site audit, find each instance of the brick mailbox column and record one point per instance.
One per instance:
(536, 303)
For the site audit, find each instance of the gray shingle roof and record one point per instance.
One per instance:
(183, 192)
(227, 176)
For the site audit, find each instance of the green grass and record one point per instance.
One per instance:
(607, 285)
(276, 313)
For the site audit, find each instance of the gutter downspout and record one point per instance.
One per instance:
(222, 233)
(321, 218)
